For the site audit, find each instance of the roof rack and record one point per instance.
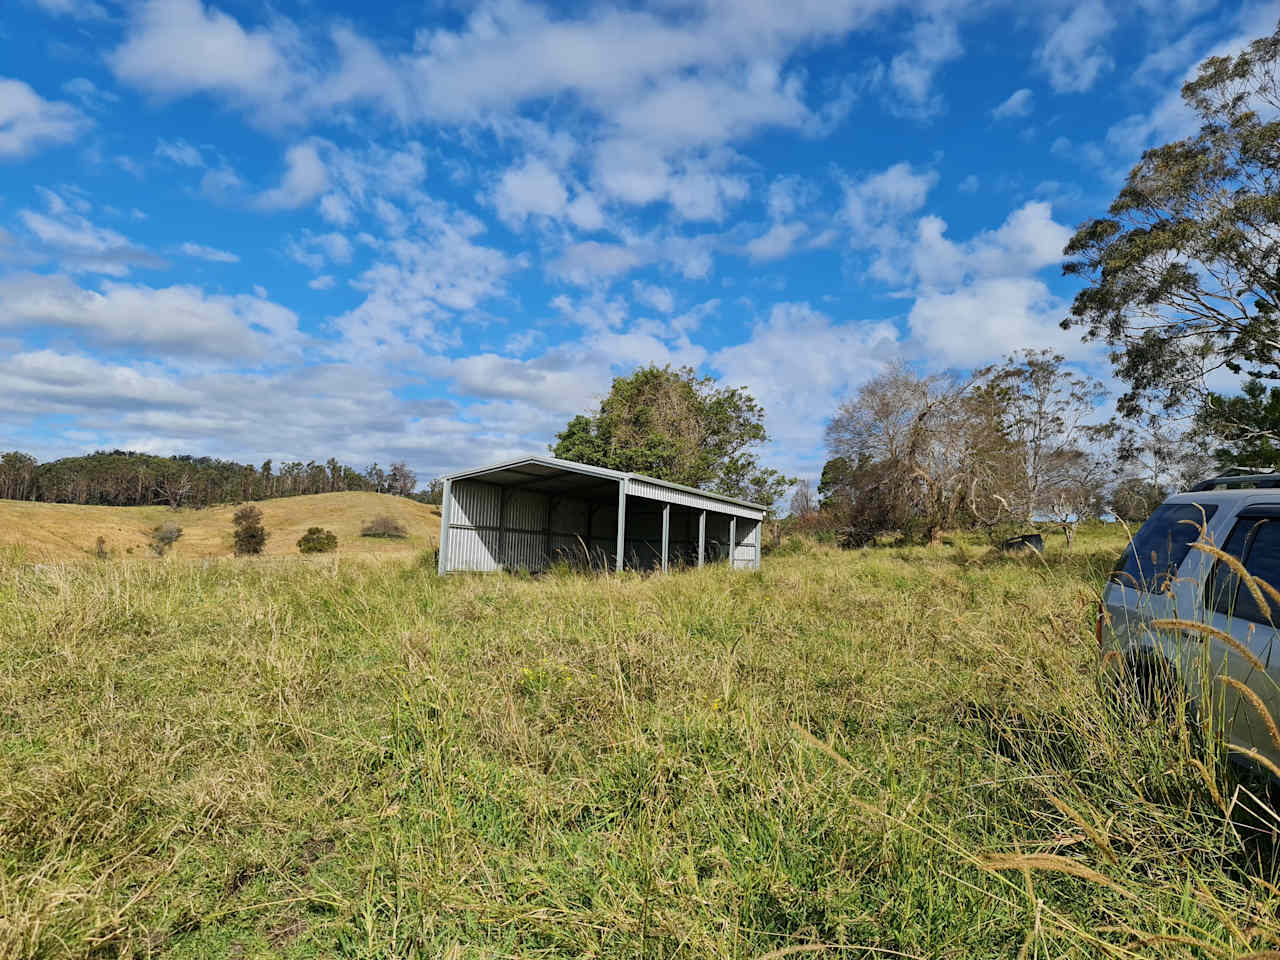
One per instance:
(1244, 478)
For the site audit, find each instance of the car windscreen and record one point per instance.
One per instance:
(1160, 546)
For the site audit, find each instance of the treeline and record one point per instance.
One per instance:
(1019, 443)
(126, 478)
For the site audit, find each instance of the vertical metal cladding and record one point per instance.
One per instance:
(638, 487)
(744, 551)
(475, 504)
(517, 526)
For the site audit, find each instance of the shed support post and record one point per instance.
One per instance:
(666, 534)
(446, 510)
(759, 539)
(702, 535)
(502, 530)
(733, 542)
(622, 525)
(546, 553)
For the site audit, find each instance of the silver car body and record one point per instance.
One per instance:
(1176, 626)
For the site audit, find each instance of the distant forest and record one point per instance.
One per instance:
(125, 478)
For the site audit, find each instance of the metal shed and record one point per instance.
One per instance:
(528, 513)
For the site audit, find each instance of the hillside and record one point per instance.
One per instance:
(63, 531)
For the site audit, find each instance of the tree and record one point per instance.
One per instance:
(1182, 272)
(1247, 427)
(1050, 416)
(173, 489)
(677, 426)
(835, 484)
(802, 501)
(317, 540)
(1134, 498)
(401, 480)
(250, 534)
(929, 452)
(17, 475)
(163, 537)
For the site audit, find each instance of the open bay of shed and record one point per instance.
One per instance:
(529, 513)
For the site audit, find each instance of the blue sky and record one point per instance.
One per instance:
(435, 231)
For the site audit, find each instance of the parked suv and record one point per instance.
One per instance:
(1222, 626)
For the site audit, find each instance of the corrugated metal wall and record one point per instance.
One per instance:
(538, 529)
(685, 498)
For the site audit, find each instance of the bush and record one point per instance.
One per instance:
(318, 540)
(250, 535)
(163, 537)
(384, 526)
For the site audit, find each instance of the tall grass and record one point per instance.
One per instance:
(892, 752)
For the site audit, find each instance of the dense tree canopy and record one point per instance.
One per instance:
(128, 478)
(677, 426)
(1183, 273)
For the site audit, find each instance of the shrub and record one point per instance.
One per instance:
(163, 537)
(318, 540)
(250, 535)
(384, 526)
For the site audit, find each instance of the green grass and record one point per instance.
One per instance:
(338, 758)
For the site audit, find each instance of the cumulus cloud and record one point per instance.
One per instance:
(29, 122)
(77, 245)
(796, 361)
(1018, 104)
(213, 254)
(778, 241)
(1073, 55)
(179, 321)
(532, 188)
(180, 152)
(305, 178)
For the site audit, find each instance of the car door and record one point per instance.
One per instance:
(1233, 609)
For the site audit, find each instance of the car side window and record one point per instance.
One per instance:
(1260, 541)
(1220, 592)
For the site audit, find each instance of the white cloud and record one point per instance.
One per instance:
(178, 321)
(1073, 55)
(778, 241)
(651, 295)
(208, 253)
(78, 245)
(799, 363)
(29, 122)
(985, 319)
(1018, 104)
(305, 178)
(180, 152)
(91, 97)
(321, 283)
(179, 47)
(532, 188)
(911, 73)
(80, 9)
(585, 213)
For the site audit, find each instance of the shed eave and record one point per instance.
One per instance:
(572, 466)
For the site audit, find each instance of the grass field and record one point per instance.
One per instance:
(881, 753)
(64, 531)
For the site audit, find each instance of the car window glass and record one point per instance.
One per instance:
(1224, 584)
(1160, 546)
(1262, 562)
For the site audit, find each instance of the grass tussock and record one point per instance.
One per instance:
(890, 752)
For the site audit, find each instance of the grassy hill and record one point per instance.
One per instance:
(879, 753)
(63, 531)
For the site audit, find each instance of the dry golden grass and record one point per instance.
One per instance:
(64, 531)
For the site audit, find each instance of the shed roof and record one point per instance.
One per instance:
(552, 475)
